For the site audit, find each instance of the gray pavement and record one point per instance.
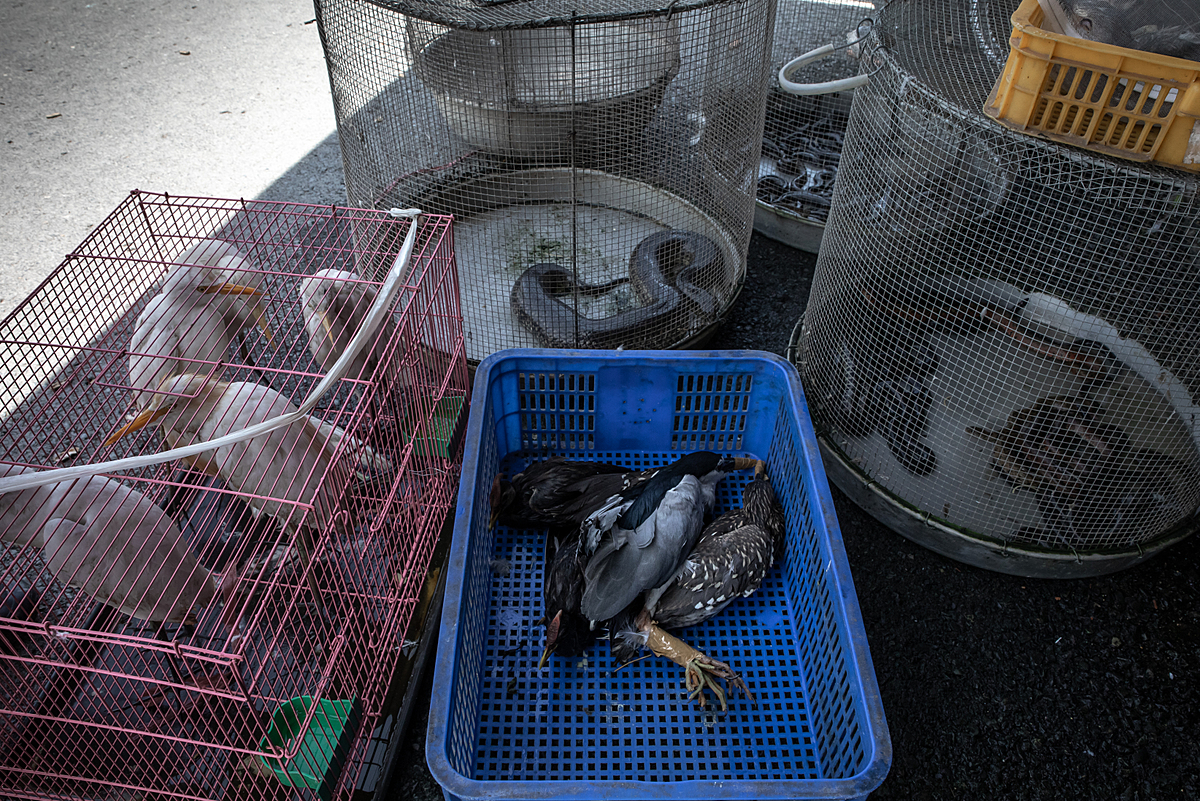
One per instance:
(223, 98)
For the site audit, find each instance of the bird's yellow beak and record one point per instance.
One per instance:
(260, 320)
(328, 328)
(545, 656)
(229, 289)
(260, 317)
(742, 463)
(136, 424)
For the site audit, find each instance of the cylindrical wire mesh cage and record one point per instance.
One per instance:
(203, 631)
(599, 163)
(1002, 343)
(802, 134)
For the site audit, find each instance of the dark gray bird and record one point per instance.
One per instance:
(639, 537)
(731, 559)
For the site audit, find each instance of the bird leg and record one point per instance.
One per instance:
(700, 669)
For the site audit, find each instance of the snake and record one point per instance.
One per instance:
(672, 273)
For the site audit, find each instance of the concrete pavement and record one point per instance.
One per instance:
(224, 98)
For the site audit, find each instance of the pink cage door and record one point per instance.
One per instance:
(225, 625)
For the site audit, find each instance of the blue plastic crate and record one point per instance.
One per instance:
(501, 728)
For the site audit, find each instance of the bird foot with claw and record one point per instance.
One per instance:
(701, 671)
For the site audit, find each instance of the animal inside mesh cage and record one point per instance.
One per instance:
(1166, 27)
(198, 622)
(1002, 344)
(599, 161)
(802, 135)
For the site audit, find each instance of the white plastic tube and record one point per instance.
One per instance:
(365, 333)
(826, 88)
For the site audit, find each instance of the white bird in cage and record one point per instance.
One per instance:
(277, 470)
(211, 295)
(334, 304)
(113, 543)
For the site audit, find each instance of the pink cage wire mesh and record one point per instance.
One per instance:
(225, 626)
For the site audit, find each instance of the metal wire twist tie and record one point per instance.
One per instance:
(366, 332)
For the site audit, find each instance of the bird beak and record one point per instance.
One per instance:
(742, 463)
(551, 638)
(260, 320)
(260, 317)
(328, 328)
(136, 424)
(760, 469)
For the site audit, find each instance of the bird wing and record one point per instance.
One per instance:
(287, 464)
(171, 337)
(601, 521)
(616, 575)
(22, 514)
(116, 545)
(730, 560)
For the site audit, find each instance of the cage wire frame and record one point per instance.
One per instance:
(575, 137)
(281, 698)
(802, 135)
(1001, 339)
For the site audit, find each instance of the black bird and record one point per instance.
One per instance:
(639, 537)
(730, 560)
(568, 632)
(558, 493)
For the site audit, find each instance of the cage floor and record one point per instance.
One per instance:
(577, 719)
(535, 220)
(966, 489)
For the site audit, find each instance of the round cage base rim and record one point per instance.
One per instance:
(695, 341)
(789, 229)
(977, 550)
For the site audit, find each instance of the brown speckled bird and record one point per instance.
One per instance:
(729, 561)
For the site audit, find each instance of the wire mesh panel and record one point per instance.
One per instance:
(599, 161)
(224, 625)
(1001, 342)
(802, 135)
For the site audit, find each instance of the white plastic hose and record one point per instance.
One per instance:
(365, 333)
(826, 88)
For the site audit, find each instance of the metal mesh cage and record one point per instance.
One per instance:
(802, 135)
(599, 164)
(1167, 27)
(1001, 344)
(196, 634)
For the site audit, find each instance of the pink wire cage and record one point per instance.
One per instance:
(193, 634)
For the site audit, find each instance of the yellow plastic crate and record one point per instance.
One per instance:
(1113, 100)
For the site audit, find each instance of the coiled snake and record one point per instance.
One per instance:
(673, 274)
